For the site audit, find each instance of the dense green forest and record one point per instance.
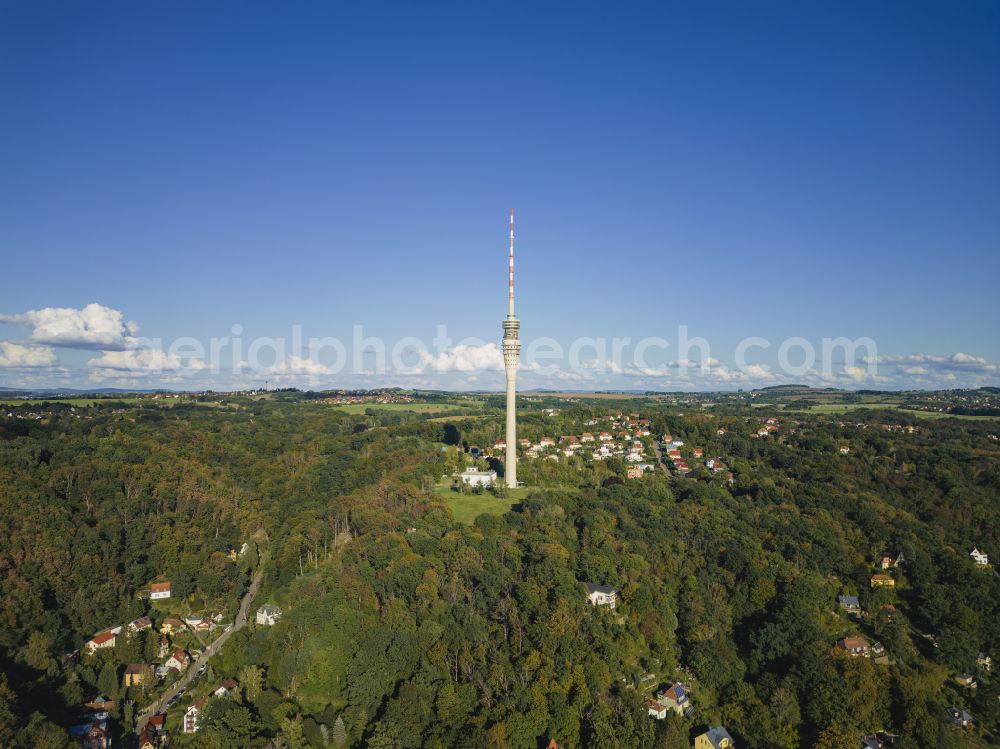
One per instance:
(404, 628)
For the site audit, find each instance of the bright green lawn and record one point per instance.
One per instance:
(467, 507)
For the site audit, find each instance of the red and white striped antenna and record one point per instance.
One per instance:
(510, 301)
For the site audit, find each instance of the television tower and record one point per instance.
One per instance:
(511, 355)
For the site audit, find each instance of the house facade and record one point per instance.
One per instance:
(850, 604)
(857, 647)
(268, 615)
(474, 477)
(191, 716)
(159, 591)
(602, 595)
(714, 738)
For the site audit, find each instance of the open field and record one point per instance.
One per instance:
(77, 402)
(841, 408)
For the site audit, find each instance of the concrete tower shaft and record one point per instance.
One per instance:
(511, 347)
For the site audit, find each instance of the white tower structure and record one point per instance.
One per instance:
(511, 355)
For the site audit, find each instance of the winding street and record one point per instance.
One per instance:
(192, 672)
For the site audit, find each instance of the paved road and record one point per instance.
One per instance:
(192, 673)
(659, 458)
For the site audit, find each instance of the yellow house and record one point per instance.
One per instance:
(882, 581)
(714, 738)
(135, 674)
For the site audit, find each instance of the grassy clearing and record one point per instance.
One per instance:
(467, 507)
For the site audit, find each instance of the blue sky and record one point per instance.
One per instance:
(771, 169)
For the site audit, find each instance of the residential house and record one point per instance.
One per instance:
(878, 649)
(586, 437)
(100, 642)
(164, 647)
(855, 646)
(99, 704)
(268, 615)
(141, 624)
(135, 674)
(150, 738)
(159, 591)
(205, 624)
(697, 452)
(171, 626)
(984, 662)
(714, 738)
(604, 437)
(850, 604)
(878, 740)
(500, 445)
(882, 581)
(959, 717)
(94, 735)
(634, 472)
(191, 716)
(178, 659)
(844, 449)
(227, 687)
(890, 559)
(602, 595)
(474, 477)
(655, 709)
(981, 558)
(675, 698)
(966, 680)
(547, 442)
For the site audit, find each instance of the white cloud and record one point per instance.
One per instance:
(19, 355)
(298, 365)
(145, 360)
(463, 358)
(93, 327)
